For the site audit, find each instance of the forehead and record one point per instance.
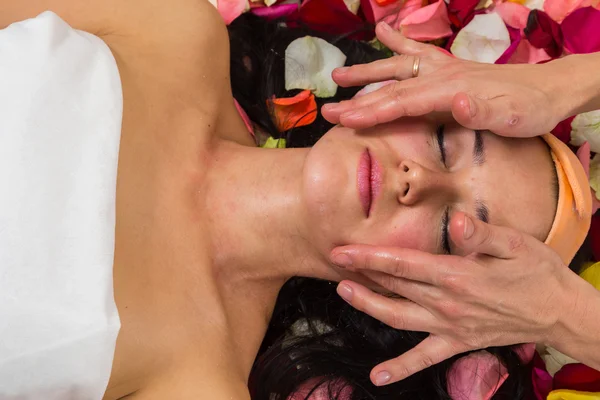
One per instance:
(519, 184)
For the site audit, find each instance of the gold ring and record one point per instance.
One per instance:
(416, 65)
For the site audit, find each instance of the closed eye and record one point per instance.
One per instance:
(445, 237)
(441, 143)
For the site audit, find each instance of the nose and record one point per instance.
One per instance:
(418, 183)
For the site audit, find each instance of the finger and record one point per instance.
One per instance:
(423, 294)
(332, 111)
(397, 313)
(430, 351)
(409, 264)
(399, 101)
(399, 68)
(470, 235)
(398, 43)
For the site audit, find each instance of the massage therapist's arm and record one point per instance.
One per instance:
(518, 100)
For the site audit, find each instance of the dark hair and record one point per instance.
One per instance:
(339, 345)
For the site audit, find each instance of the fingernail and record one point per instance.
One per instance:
(385, 26)
(342, 260)
(341, 70)
(330, 106)
(472, 108)
(382, 378)
(469, 228)
(345, 292)
(352, 115)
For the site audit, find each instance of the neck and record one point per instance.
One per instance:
(255, 220)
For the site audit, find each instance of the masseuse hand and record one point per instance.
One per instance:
(509, 288)
(518, 100)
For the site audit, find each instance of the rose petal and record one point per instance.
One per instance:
(329, 16)
(231, 9)
(428, 23)
(577, 377)
(353, 5)
(288, 113)
(594, 176)
(559, 9)
(528, 54)
(340, 390)
(563, 130)
(484, 39)
(515, 39)
(572, 395)
(309, 62)
(392, 12)
(586, 128)
(244, 117)
(534, 4)
(555, 360)
(276, 11)
(581, 31)
(273, 143)
(544, 33)
(460, 11)
(591, 274)
(540, 378)
(476, 377)
(513, 14)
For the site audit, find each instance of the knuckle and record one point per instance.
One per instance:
(369, 261)
(399, 267)
(451, 310)
(425, 361)
(397, 320)
(516, 243)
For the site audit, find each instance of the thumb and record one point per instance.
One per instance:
(397, 42)
(496, 114)
(471, 235)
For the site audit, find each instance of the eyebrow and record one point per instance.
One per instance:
(481, 209)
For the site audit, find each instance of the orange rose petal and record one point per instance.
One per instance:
(292, 112)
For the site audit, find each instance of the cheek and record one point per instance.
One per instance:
(412, 229)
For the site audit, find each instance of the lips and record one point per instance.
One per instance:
(369, 181)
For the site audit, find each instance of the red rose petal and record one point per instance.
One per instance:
(577, 377)
(581, 31)
(290, 112)
(515, 39)
(330, 16)
(544, 33)
(594, 236)
(563, 130)
(461, 11)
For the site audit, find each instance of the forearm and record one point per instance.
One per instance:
(575, 82)
(577, 333)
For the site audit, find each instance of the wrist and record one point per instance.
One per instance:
(574, 83)
(575, 330)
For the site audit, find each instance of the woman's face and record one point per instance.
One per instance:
(400, 183)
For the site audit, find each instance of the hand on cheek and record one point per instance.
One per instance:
(508, 288)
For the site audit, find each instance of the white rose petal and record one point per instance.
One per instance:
(353, 5)
(534, 4)
(484, 39)
(586, 128)
(269, 3)
(595, 174)
(309, 62)
(213, 2)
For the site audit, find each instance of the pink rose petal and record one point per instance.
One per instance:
(393, 13)
(541, 379)
(513, 14)
(528, 54)
(275, 12)
(231, 9)
(559, 9)
(427, 23)
(515, 39)
(581, 31)
(476, 377)
(245, 117)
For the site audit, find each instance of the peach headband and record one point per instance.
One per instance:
(574, 209)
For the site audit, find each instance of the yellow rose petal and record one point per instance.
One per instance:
(591, 274)
(572, 395)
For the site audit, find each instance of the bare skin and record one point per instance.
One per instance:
(201, 251)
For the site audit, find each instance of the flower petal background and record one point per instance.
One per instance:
(581, 31)
(231, 9)
(484, 39)
(309, 62)
(329, 16)
(427, 23)
(276, 11)
(586, 128)
(559, 9)
(544, 33)
(513, 14)
(291, 112)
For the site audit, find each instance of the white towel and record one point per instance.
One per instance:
(60, 125)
